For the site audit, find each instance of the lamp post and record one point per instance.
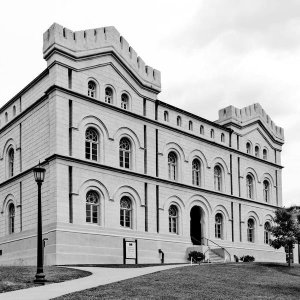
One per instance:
(39, 175)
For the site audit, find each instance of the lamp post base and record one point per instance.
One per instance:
(40, 278)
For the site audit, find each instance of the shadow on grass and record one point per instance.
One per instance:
(293, 270)
(119, 265)
(20, 277)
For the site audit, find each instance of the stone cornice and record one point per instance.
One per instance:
(152, 179)
(154, 122)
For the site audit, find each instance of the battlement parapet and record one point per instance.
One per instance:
(247, 114)
(99, 40)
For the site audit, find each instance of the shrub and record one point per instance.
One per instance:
(197, 256)
(247, 258)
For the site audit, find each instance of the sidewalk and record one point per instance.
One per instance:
(100, 276)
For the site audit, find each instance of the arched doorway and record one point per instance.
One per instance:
(196, 225)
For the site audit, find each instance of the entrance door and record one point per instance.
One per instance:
(196, 225)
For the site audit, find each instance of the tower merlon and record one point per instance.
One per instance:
(96, 41)
(249, 114)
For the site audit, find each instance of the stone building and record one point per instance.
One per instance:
(122, 165)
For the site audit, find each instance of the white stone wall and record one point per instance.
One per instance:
(43, 134)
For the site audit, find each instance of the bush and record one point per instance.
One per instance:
(197, 256)
(247, 258)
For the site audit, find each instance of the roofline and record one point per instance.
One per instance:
(261, 124)
(109, 52)
(167, 105)
(25, 89)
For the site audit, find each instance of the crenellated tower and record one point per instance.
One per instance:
(250, 114)
(98, 42)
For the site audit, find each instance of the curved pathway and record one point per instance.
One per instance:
(100, 276)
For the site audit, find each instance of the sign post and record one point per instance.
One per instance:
(130, 250)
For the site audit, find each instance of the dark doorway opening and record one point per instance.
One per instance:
(195, 225)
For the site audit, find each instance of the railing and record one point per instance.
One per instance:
(208, 240)
(206, 243)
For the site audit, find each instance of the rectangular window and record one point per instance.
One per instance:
(127, 220)
(88, 213)
(95, 214)
(87, 150)
(122, 217)
(94, 151)
(126, 160)
(12, 225)
(121, 159)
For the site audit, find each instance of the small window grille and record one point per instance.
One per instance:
(126, 212)
(172, 165)
(179, 121)
(125, 101)
(173, 219)
(250, 231)
(196, 172)
(166, 116)
(92, 89)
(92, 207)
(125, 153)
(109, 95)
(218, 226)
(250, 187)
(91, 144)
(218, 178)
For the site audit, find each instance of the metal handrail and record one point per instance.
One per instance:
(216, 245)
(209, 248)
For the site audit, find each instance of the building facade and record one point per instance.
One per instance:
(123, 165)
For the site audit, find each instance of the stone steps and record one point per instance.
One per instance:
(214, 258)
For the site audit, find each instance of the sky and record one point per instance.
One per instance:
(211, 54)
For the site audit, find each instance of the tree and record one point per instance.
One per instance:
(286, 231)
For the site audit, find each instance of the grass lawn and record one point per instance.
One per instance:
(219, 281)
(16, 278)
(121, 266)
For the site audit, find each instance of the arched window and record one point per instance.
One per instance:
(166, 116)
(223, 138)
(11, 218)
(201, 129)
(172, 165)
(178, 121)
(267, 229)
(265, 154)
(266, 191)
(250, 230)
(91, 144)
(11, 162)
(173, 219)
(6, 117)
(218, 178)
(14, 110)
(190, 125)
(125, 101)
(92, 89)
(212, 134)
(125, 153)
(248, 148)
(250, 186)
(108, 95)
(256, 150)
(196, 172)
(126, 212)
(92, 207)
(219, 226)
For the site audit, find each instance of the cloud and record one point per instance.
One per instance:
(244, 25)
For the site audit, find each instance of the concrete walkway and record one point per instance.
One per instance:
(100, 276)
